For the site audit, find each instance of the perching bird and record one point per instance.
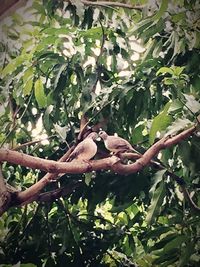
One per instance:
(116, 144)
(86, 149)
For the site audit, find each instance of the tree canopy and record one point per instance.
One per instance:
(129, 68)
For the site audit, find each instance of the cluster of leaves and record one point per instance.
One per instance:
(68, 59)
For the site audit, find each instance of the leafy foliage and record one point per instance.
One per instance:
(139, 72)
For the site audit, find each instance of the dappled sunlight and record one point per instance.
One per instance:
(99, 141)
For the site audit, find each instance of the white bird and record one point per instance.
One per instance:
(116, 144)
(86, 149)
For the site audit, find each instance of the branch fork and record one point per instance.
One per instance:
(53, 168)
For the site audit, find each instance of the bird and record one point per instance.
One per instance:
(86, 149)
(116, 144)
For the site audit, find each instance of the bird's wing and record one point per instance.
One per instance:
(119, 143)
(84, 150)
(77, 151)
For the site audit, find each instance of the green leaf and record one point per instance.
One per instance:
(186, 254)
(157, 178)
(28, 80)
(28, 87)
(162, 10)
(167, 259)
(178, 17)
(160, 123)
(46, 42)
(57, 31)
(156, 203)
(178, 125)
(155, 233)
(46, 117)
(168, 237)
(61, 70)
(120, 208)
(168, 81)
(88, 178)
(175, 106)
(94, 33)
(175, 243)
(164, 70)
(40, 8)
(178, 70)
(14, 64)
(28, 74)
(8, 69)
(39, 94)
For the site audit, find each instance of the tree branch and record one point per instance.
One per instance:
(32, 142)
(147, 157)
(53, 194)
(105, 164)
(77, 167)
(30, 193)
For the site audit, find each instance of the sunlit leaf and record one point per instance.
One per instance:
(162, 10)
(178, 70)
(175, 106)
(14, 64)
(28, 87)
(192, 103)
(157, 178)
(164, 70)
(160, 123)
(57, 31)
(178, 125)
(39, 93)
(88, 178)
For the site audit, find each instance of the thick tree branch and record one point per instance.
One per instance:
(77, 167)
(54, 194)
(51, 166)
(147, 157)
(103, 164)
(30, 193)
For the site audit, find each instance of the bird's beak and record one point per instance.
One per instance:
(98, 138)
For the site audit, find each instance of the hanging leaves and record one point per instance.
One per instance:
(40, 94)
(160, 123)
(156, 203)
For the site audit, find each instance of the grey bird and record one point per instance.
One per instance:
(86, 149)
(116, 144)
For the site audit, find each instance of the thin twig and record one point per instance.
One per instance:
(32, 142)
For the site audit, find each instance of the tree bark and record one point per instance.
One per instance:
(5, 196)
(76, 167)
